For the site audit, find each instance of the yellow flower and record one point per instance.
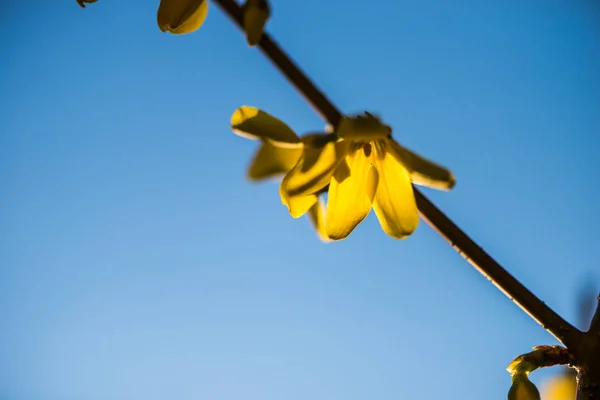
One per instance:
(256, 14)
(364, 167)
(181, 16)
(279, 152)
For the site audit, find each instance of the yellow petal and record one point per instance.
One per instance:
(394, 203)
(315, 167)
(422, 171)
(316, 214)
(271, 161)
(252, 123)
(365, 127)
(297, 205)
(256, 14)
(351, 193)
(181, 16)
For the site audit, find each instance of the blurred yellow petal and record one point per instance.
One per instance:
(252, 123)
(181, 16)
(271, 161)
(256, 15)
(422, 171)
(394, 203)
(365, 127)
(351, 193)
(316, 215)
(315, 167)
(562, 387)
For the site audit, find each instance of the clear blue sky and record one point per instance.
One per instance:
(136, 262)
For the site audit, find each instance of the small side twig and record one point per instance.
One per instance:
(541, 357)
(595, 324)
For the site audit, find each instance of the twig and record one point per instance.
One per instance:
(465, 246)
(595, 324)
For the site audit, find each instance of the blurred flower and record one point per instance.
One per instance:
(278, 153)
(364, 168)
(181, 16)
(82, 2)
(256, 14)
(561, 387)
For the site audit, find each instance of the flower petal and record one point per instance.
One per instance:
(422, 171)
(252, 123)
(297, 205)
(181, 16)
(351, 193)
(365, 127)
(316, 214)
(394, 203)
(271, 161)
(315, 167)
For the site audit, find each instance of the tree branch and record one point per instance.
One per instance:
(465, 246)
(595, 324)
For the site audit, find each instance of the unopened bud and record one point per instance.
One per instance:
(181, 16)
(523, 389)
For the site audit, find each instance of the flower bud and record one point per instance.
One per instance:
(256, 15)
(181, 16)
(523, 389)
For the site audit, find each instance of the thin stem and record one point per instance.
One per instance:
(495, 273)
(465, 246)
(322, 105)
(541, 357)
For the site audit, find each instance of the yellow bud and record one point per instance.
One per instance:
(523, 389)
(256, 14)
(181, 16)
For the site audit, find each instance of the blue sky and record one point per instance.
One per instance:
(136, 262)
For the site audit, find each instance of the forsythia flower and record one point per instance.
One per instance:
(256, 14)
(364, 168)
(181, 16)
(279, 152)
(359, 165)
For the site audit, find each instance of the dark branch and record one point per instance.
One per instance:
(495, 273)
(464, 245)
(595, 324)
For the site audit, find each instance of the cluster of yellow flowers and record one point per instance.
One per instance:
(359, 165)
